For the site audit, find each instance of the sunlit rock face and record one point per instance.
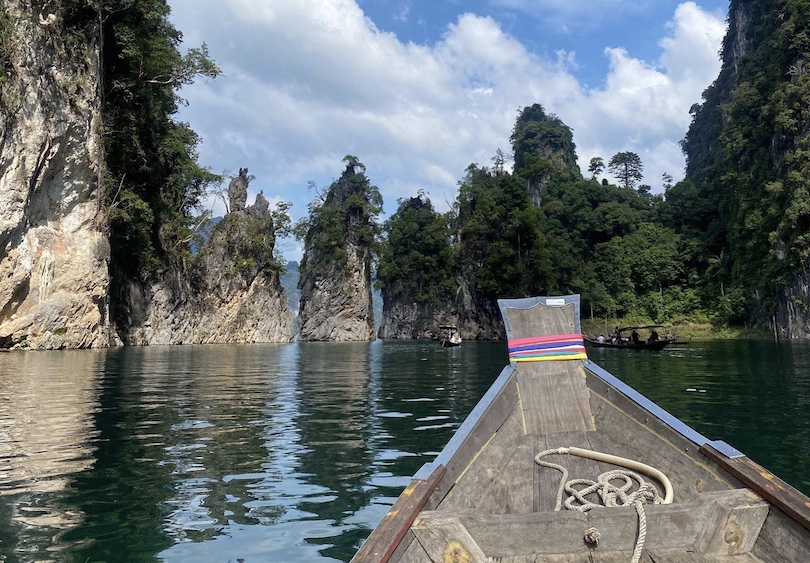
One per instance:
(234, 294)
(793, 309)
(336, 301)
(53, 254)
(335, 283)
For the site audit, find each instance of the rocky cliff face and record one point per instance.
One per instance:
(53, 254)
(415, 321)
(55, 284)
(475, 321)
(233, 296)
(336, 302)
(793, 309)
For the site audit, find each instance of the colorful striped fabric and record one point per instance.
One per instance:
(545, 348)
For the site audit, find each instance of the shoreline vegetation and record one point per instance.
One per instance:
(682, 330)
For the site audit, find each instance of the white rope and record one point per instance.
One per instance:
(610, 494)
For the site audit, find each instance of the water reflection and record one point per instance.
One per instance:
(47, 435)
(752, 394)
(293, 452)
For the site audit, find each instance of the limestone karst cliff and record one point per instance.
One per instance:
(53, 252)
(422, 287)
(748, 155)
(99, 190)
(421, 321)
(335, 283)
(232, 295)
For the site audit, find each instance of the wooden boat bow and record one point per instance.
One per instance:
(485, 499)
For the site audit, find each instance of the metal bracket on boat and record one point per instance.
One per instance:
(727, 450)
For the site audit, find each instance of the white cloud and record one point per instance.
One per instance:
(309, 81)
(644, 106)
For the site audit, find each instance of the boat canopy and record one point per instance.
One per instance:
(640, 327)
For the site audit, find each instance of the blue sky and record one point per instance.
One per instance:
(419, 89)
(545, 26)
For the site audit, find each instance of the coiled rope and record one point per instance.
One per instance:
(610, 494)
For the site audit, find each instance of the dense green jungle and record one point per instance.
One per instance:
(713, 249)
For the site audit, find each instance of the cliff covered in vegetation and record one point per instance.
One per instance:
(100, 188)
(230, 294)
(335, 283)
(747, 194)
(728, 245)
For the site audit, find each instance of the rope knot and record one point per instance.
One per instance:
(592, 536)
(610, 494)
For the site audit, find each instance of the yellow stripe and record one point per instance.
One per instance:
(552, 358)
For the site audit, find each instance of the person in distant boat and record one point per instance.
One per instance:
(601, 339)
(653, 337)
(634, 336)
(617, 336)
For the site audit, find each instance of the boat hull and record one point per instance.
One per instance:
(484, 497)
(655, 346)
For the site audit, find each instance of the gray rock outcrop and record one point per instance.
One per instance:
(54, 254)
(233, 296)
(56, 290)
(336, 301)
(237, 191)
(793, 309)
(475, 321)
(335, 283)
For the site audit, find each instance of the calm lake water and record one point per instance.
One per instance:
(287, 453)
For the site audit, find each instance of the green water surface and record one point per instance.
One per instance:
(287, 453)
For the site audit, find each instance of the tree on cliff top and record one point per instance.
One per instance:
(627, 167)
(345, 215)
(416, 259)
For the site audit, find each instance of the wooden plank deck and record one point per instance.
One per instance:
(664, 556)
(554, 397)
(494, 503)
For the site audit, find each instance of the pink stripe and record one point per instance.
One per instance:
(547, 351)
(544, 339)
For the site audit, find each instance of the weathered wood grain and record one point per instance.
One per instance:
(782, 540)
(605, 396)
(617, 557)
(691, 556)
(554, 397)
(410, 551)
(674, 526)
(445, 539)
(734, 524)
(542, 320)
(549, 533)
(385, 538)
(564, 558)
(488, 465)
(770, 487)
(490, 421)
(511, 490)
(639, 439)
